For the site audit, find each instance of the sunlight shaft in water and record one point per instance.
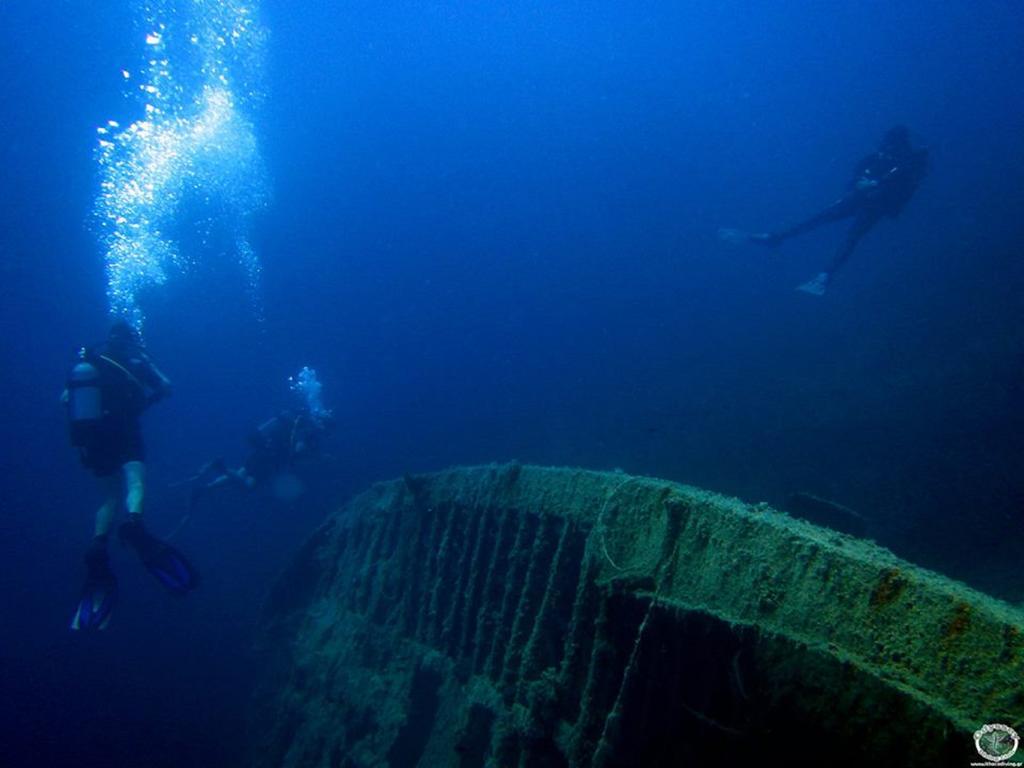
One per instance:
(193, 148)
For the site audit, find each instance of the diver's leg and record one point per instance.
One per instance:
(135, 488)
(860, 227)
(842, 208)
(161, 559)
(107, 511)
(210, 471)
(99, 594)
(226, 476)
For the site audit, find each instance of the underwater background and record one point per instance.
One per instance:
(492, 230)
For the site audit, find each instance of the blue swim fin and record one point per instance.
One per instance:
(168, 565)
(99, 595)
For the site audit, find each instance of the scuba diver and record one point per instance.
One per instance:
(882, 185)
(275, 447)
(107, 391)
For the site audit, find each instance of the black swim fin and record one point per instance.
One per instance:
(99, 595)
(168, 565)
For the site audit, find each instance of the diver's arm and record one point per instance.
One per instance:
(876, 170)
(872, 172)
(157, 381)
(862, 172)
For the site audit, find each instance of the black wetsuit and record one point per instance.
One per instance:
(882, 184)
(129, 383)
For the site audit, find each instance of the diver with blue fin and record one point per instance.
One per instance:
(107, 391)
(882, 185)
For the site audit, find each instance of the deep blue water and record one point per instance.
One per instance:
(493, 234)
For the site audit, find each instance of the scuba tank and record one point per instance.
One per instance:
(85, 401)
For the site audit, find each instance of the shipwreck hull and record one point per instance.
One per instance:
(525, 616)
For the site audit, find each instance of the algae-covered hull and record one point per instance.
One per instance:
(526, 616)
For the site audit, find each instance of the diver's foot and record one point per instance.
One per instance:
(815, 287)
(767, 239)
